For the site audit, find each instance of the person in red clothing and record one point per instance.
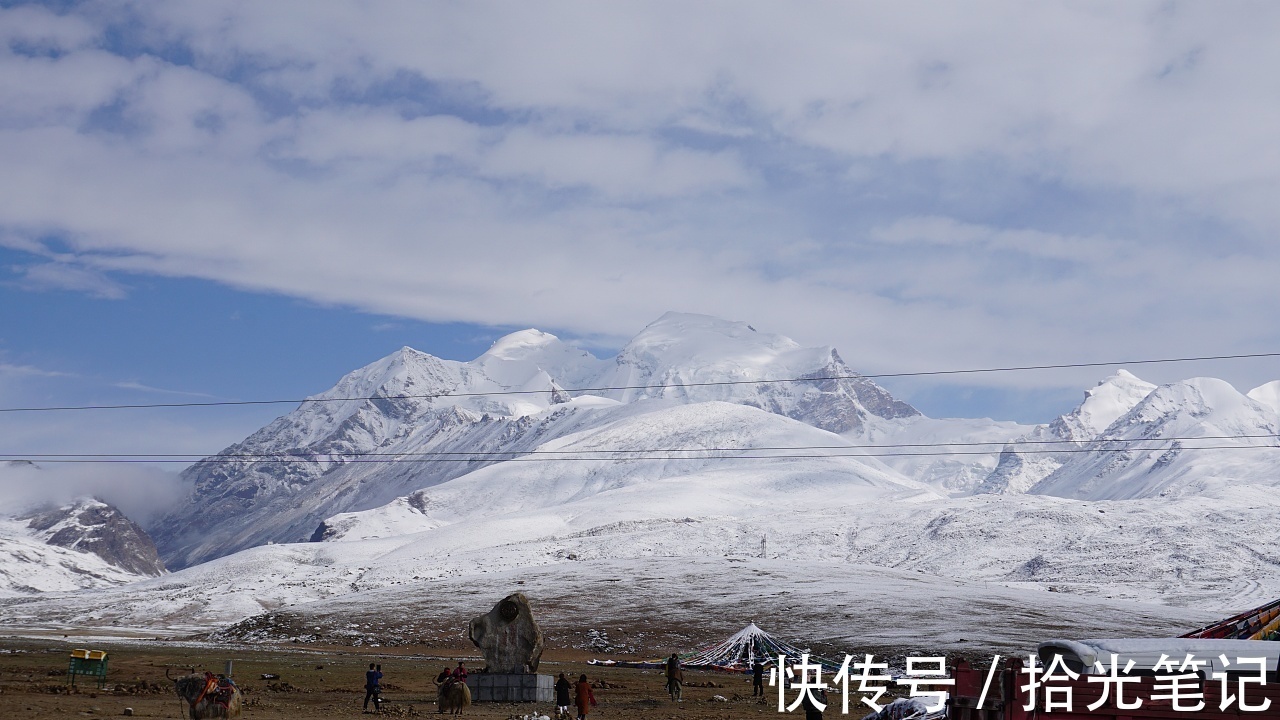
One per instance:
(460, 673)
(585, 698)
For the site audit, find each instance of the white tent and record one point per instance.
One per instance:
(736, 654)
(741, 650)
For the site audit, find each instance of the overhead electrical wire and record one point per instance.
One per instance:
(418, 461)
(311, 456)
(855, 376)
(589, 455)
(911, 449)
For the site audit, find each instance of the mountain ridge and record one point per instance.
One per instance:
(504, 401)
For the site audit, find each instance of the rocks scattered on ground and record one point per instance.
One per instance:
(284, 687)
(399, 710)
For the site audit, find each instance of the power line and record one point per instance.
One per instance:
(224, 403)
(603, 456)
(318, 456)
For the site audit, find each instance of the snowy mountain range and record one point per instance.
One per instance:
(437, 419)
(415, 470)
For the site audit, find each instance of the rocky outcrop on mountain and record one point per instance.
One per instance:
(412, 421)
(92, 526)
(1024, 462)
(83, 545)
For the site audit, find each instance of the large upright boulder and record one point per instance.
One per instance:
(508, 636)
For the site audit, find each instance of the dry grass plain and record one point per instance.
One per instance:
(319, 682)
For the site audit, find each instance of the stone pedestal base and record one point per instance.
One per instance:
(499, 687)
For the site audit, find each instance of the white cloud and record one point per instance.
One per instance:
(996, 184)
(140, 387)
(43, 30)
(63, 276)
(8, 369)
(141, 492)
(381, 138)
(620, 166)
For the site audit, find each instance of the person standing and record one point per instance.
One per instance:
(585, 698)
(562, 697)
(757, 678)
(372, 686)
(675, 678)
(811, 709)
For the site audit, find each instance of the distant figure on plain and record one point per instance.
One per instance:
(585, 699)
(675, 678)
(757, 678)
(811, 710)
(373, 687)
(562, 697)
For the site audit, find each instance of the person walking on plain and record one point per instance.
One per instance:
(757, 678)
(373, 687)
(585, 699)
(562, 697)
(675, 678)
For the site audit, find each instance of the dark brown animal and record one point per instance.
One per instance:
(207, 697)
(453, 698)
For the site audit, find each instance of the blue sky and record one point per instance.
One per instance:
(246, 200)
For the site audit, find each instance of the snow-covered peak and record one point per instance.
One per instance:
(1193, 401)
(713, 346)
(520, 344)
(1040, 455)
(401, 387)
(514, 359)
(694, 329)
(1268, 395)
(405, 372)
(1196, 436)
(1102, 405)
(699, 358)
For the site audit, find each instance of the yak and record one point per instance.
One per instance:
(453, 698)
(208, 696)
